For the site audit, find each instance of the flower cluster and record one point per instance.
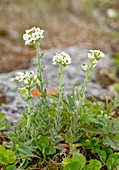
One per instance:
(62, 58)
(33, 35)
(94, 57)
(111, 13)
(27, 78)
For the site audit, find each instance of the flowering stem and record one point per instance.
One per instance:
(29, 109)
(60, 80)
(82, 92)
(39, 68)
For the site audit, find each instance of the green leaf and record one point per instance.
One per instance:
(102, 154)
(55, 97)
(10, 167)
(9, 156)
(70, 103)
(111, 126)
(74, 165)
(2, 150)
(4, 126)
(112, 141)
(43, 142)
(79, 158)
(6, 156)
(93, 165)
(50, 150)
(24, 163)
(116, 86)
(24, 149)
(2, 117)
(77, 162)
(113, 161)
(2, 160)
(91, 130)
(52, 111)
(89, 119)
(67, 160)
(116, 59)
(108, 150)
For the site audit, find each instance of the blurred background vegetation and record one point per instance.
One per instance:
(93, 24)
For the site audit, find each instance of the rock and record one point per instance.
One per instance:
(104, 78)
(71, 74)
(3, 99)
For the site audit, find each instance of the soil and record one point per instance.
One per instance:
(78, 22)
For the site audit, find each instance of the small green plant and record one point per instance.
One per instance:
(57, 120)
(7, 158)
(78, 162)
(44, 146)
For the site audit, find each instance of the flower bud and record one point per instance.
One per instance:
(22, 90)
(84, 67)
(38, 82)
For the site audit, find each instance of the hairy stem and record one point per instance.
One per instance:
(29, 109)
(83, 88)
(40, 69)
(60, 81)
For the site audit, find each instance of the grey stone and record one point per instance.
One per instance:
(71, 74)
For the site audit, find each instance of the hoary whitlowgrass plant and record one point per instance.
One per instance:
(62, 126)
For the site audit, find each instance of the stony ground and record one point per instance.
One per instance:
(76, 27)
(12, 100)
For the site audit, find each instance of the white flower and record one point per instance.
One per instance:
(94, 57)
(26, 78)
(33, 35)
(84, 67)
(91, 57)
(95, 54)
(31, 72)
(20, 74)
(102, 55)
(19, 77)
(111, 13)
(35, 77)
(28, 42)
(62, 58)
(26, 81)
